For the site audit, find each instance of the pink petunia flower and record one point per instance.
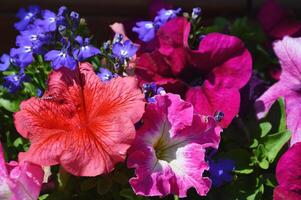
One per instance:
(276, 21)
(288, 174)
(19, 180)
(168, 153)
(209, 77)
(80, 122)
(288, 50)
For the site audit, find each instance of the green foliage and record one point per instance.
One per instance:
(254, 174)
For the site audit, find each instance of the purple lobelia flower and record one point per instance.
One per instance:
(4, 62)
(35, 35)
(124, 50)
(23, 55)
(166, 15)
(220, 171)
(105, 74)
(61, 58)
(48, 23)
(288, 50)
(146, 30)
(13, 82)
(85, 50)
(26, 17)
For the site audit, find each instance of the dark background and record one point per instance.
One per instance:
(100, 13)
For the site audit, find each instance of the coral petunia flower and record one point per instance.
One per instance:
(209, 77)
(288, 174)
(19, 180)
(82, 123)
(288, 51)
(168, 153)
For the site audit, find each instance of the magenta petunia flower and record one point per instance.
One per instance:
(276, 21)
(168, 153)
(288, 51)
(209, 77)
(288, 174)
(19, 180)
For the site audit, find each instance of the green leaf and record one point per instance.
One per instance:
(282, 124)
(43, 197)
(18, 142)
(10, 105)
(265, 128)
(274, 143)
(260, 157)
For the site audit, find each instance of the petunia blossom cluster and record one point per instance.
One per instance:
(156, 113)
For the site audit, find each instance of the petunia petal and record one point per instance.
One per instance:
(288, 173)
(207, 100)
(80, 122)
(288, 51)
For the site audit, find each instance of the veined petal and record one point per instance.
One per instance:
(80, 122)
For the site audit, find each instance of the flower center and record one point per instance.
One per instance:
(166, 147)
(123, 52)
(192, 76)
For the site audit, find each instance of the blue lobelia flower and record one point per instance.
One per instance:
(61, 58)
(164, 16)
(196, 12)
(85, 50)
(39, 92)
(26, 17)
(146, 30)
(48, 23)
(105, 74)
(220, 171)
(61, 16)
(124, 50)
(35, 35)
(14, 82)
(23, 55)
(4, 62)
(74, 16)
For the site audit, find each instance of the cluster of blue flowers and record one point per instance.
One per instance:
(147, 29)
(54, 36)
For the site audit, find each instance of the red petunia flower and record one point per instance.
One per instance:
(81, 123)
(209, 77)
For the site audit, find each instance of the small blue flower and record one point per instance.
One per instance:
(61, 58)
(164, 16)
(26, 17)
(105, 74)
(5, 62)
(39, 92)
(13, 82)
(220, 171)
(48, 23)
(124, 50)
(23, 55)
(85, 50)
(75, 19)
(196, 12)
(61, 16)
(35, 35)
(146, 30)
